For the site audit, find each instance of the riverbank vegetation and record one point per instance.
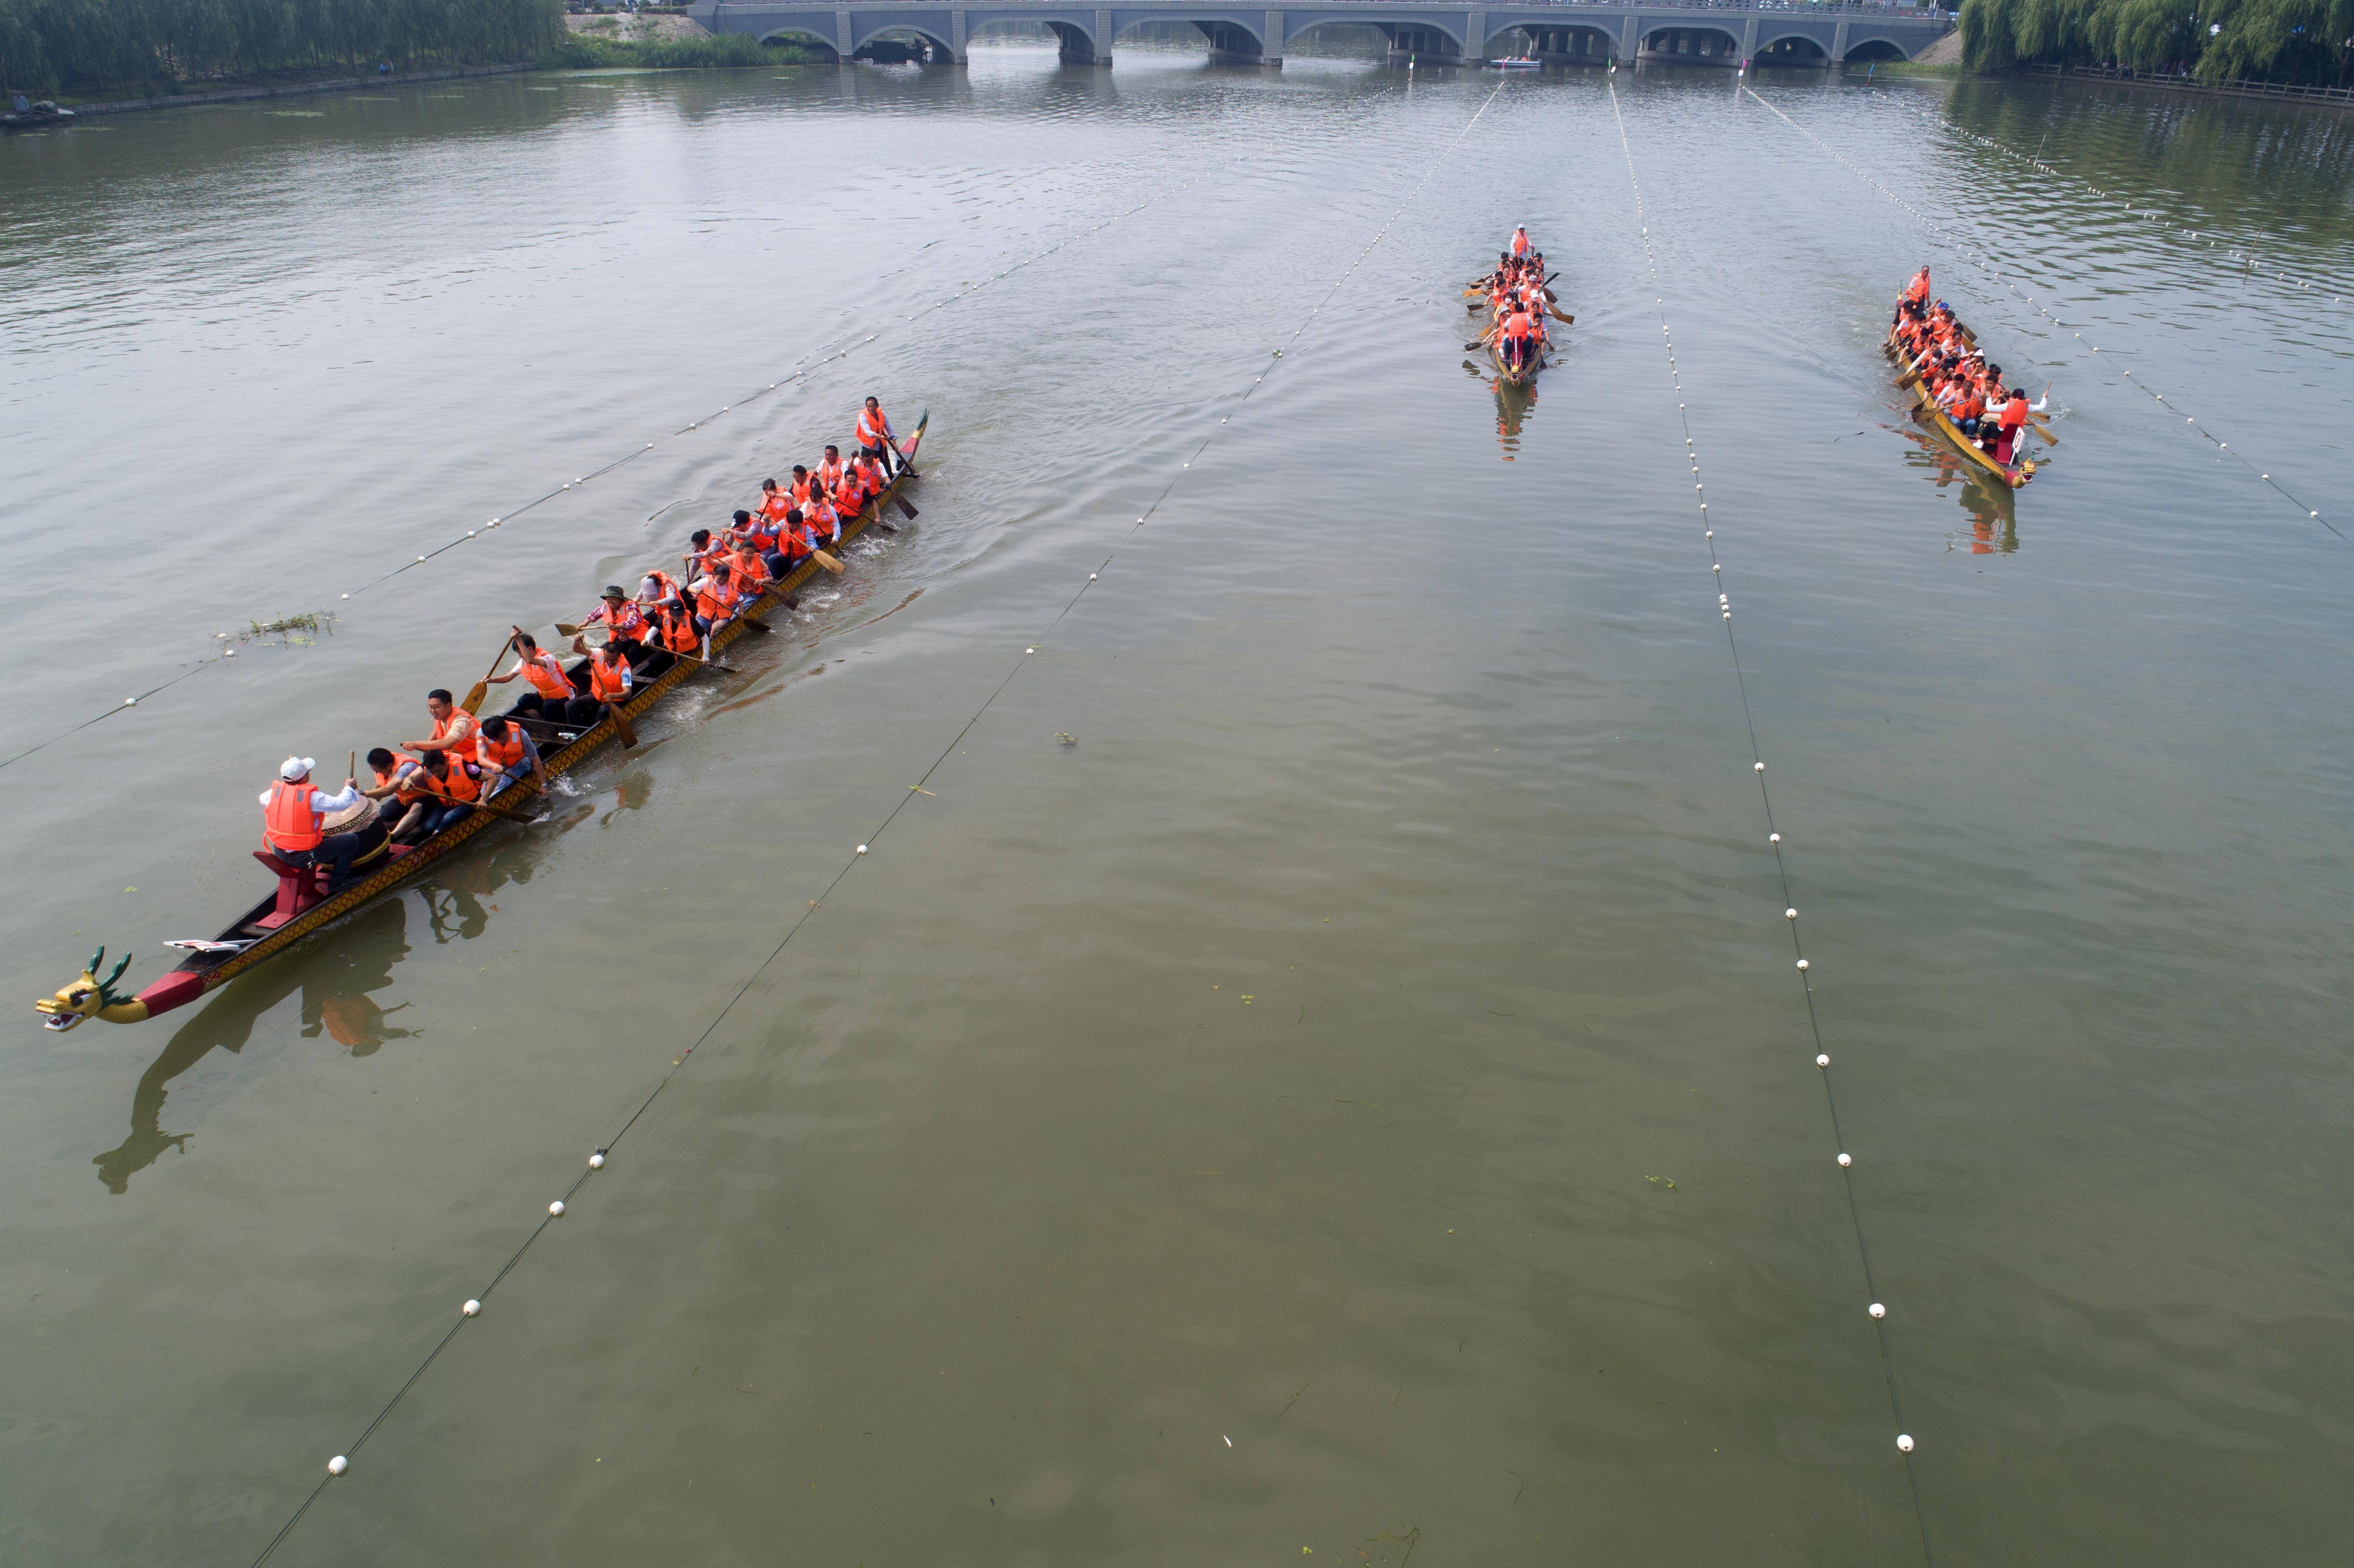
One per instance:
(2310, 43)
(142, 48)
(586, 51)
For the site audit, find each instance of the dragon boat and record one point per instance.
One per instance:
(1925, 410)
(301, 905)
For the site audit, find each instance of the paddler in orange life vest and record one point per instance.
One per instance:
(1917, 290)
(624, 622)
(876, 440)
(504, 754)
(1518, 338)
(1521, 245)
(553, 699)
(291, 811)
(454, 726)
(611, 680)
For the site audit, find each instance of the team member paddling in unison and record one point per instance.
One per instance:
(624, 622)
(611, 679)
(505, 754)
(453, 727)
(553, 699)
(715, 601)
(1521, 245)
(293, 810)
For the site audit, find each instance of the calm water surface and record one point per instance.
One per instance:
(1319, 1066)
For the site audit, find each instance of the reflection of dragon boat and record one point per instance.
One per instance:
(301, 907)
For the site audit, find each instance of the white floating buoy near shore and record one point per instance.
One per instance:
(1789, 914)
(1773, 838)
(1802, 963)
(471, 1309)
(1822, 1059)
(338, 1464)
(597, 1160)
(1845, 1160)
(1904, 1442)
(1758, 766)
(555, 1210)
(1878, 1310)
(861, 849)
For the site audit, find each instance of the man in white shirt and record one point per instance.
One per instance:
(291, 811)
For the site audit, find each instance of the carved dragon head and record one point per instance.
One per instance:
(87, 996)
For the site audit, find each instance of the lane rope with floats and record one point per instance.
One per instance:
(803, 368)
(1876, 1311)
(1990, 266)
(340, 1464)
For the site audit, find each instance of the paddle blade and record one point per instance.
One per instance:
(827, 562)
(622, 727)
(901, 501)
(473, 703)
(566, 628)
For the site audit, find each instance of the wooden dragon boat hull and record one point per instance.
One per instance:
(1524, 377)
(1925, 409)
(253, 939)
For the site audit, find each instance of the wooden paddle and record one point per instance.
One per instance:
(827, 562)
(621, 727)
(473, 703)
(1564, 320)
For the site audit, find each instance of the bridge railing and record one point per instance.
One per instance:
(1891, 8)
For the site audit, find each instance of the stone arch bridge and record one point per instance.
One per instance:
(1580, 32)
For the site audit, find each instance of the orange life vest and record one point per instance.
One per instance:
(627, 622)
(458, 728)
(2014, 413)
(775, 503)
(828, 474)
(1521, 245)
(607, 675)
(458, 783)
(870, 476)
(498, 756)
(715, 600)
(288, 823)
(1918, 289)
(821, 519)
(1518, 326)
(545, 671)
(675, 629)
(874, 430)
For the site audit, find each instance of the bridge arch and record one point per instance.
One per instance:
(802, 38)
(1573, 44)
(1874, 46)
(1429, 36)
(1792, 49)
(1690, 42)
(934, 46)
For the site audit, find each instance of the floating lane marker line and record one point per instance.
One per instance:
(1876, 1314)
(805, 367)
(473, 1305)
(1987, 264)
(2140, 211)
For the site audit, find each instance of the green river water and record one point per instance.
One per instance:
(1319, 1069)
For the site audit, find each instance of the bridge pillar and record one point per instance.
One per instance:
(1749, 41)
(1475, 37)
(957, 38)
(1839, 44)
(843, 35)
(1630, 39)
(1103, 40)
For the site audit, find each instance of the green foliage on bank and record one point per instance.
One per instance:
(89, 47)
(586, 51)
(2308, 42)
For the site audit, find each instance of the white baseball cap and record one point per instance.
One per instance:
(295, 768)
